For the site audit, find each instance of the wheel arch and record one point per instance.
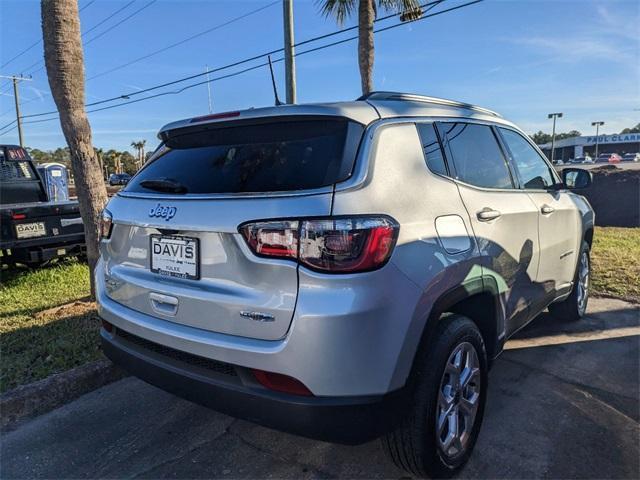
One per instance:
(588, 236)
(479, 300)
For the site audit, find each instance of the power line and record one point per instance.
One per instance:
(250, 59)
(298, 53)
(101, 22)
(192, 37)
(109, 17)
(35, 43)
(7, 86)
(120, 22)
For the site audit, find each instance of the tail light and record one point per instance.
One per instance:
(272, 239)
(105, 226)
(336, 245)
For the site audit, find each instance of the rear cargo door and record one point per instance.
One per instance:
(175, 251)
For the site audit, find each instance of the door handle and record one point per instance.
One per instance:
(546, 209)
(487, 214)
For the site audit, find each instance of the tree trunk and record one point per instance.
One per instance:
(366, 16)
(65, 70)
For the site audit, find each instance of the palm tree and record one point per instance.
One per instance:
(367, 9)
(139, 146)
(65, 70)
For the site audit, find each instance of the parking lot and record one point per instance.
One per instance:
(563, 403)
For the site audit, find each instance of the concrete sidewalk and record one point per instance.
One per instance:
(563, 403)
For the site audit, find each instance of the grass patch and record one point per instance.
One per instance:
(37, 338)
(615, 258)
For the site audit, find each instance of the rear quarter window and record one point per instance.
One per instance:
(284, 155)
(431, 147)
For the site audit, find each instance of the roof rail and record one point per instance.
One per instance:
(412, 97)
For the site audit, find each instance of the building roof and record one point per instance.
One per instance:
(591, 140)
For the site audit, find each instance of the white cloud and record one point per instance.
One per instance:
(578, 49)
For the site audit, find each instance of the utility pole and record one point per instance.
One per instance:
(553, 134)
(208, 88)
(597, 125)
(289, 59)
(15, 79)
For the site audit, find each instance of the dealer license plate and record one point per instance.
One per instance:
(175, 256)
(30, 230)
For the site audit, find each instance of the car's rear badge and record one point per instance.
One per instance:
(258, 316)
(162, 211)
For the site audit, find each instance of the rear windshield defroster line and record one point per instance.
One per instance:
(275, 156)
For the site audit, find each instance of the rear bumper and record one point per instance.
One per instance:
(348, 420)
(43, 249)
(43, 242)
(348, 336)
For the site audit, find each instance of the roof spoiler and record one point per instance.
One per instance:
(412, 97)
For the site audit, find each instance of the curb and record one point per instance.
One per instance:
(39, 397)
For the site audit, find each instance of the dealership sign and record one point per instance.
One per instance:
(619, 138)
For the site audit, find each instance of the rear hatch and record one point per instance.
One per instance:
(175, 251)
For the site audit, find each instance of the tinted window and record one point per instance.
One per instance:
(431, 147)
(477, 157)
(274, 156)
(533, 171)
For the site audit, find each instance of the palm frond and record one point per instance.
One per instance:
(409, 9)
(340, 9)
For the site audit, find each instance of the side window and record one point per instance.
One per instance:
(533, 171)
(476, 154)
(431, 148)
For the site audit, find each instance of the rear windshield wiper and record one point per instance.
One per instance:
(164, 185)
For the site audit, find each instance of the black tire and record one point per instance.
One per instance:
(570, 309)
(414, 445)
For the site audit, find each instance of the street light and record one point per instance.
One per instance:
(553, 134)
(597, 125)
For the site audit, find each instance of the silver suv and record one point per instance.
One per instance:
(341, 271)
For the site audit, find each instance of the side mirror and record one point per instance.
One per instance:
(575, 178)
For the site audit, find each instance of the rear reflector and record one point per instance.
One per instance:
(18, 216)
(281, 383)
(107, 326)
(335, 245)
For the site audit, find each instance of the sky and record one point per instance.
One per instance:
(522, 58)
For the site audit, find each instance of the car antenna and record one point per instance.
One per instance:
(273, 81)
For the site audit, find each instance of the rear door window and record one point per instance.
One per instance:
(477, 157)
(533, 171)
(281, 155)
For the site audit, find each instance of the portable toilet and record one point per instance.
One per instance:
(56, 181)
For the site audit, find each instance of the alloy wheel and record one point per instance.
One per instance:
(458, 400)
(583, 282)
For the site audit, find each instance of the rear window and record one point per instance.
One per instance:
(275, 156)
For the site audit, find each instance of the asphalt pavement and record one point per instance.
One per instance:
(563, 403)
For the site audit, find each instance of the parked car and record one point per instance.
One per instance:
(631, 157)
(33, 230)
(608, 158)
(584, 159)
(342, 271)
(119, 179)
